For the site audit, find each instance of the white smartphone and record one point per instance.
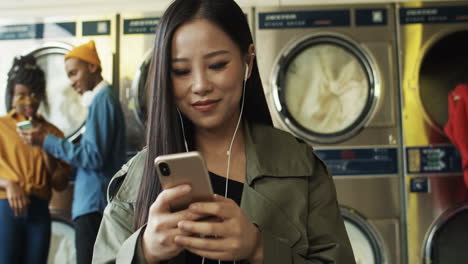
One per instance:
(25, 125)
(185, 168)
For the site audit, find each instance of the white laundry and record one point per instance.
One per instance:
(327, 89)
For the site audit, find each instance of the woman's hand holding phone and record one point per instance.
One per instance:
(158, 238)
(191, 217)
(233, 237)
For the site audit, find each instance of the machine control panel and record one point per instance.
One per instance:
(96, 28)
(437, 159)
(37, 31)
(141, 25)
(362, 161)
(434, 15)
(305, 19)
(371, 17)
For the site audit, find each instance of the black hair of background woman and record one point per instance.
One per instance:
(25, 71)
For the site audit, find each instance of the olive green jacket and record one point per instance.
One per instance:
(288, 193)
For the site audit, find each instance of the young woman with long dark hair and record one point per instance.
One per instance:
(275, 201)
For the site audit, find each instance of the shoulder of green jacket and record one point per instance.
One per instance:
(125, 184)
(274, 152)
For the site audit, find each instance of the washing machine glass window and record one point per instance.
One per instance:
(62, 243)
(365, 242)
(444, 65)
(446, 242)
(326, 89)
(140, 91)
(62, 105)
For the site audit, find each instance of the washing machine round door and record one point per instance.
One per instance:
(366, 243)
(445, 243)
(62, 243)
(325, 88)
(444, 65)
(140, 92)
(62, 105)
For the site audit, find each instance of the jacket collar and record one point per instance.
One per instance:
(88, 96)
(271, 152)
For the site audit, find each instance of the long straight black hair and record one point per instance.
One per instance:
(164, 131)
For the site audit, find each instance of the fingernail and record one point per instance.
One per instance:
(194, 206)
(185, 188)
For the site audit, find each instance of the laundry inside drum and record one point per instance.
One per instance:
(62, 243)
(326, 88)
(362, 246)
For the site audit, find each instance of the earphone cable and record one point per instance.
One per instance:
(232, 140)
(183, 130)
(228, 153)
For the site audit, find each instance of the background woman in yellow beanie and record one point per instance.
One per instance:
(27, 173)
(101, 151)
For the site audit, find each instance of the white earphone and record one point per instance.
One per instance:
(246, 75)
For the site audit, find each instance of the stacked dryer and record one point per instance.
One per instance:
(48, 39)
(330, 76)
(434, 59)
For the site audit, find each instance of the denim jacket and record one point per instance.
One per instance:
(98, 156)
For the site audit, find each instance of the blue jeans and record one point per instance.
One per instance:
(26, 238)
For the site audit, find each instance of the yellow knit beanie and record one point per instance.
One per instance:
(86, 52)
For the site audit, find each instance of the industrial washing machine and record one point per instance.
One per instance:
(137, 35)
(433, 41)
(136, 39)
(330, 78)
(48, 39)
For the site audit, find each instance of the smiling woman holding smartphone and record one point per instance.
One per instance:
(274, 200)
(27, 174)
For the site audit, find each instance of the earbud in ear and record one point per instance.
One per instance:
(246, 76)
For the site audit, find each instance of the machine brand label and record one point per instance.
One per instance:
(368, 161)
(141, 26)
(37, 31)
(304, 19)
(441, 159)
(434, 15)
(371, 17)
(96, 28)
